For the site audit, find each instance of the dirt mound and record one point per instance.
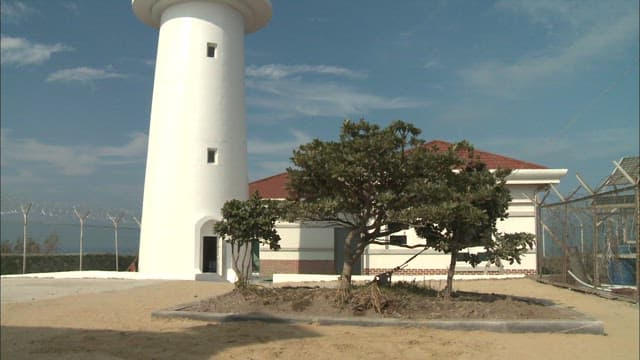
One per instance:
(402, 300)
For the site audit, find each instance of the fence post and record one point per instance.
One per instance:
(596, 262)
(81, 217)
(565, 232)
(539, 234)
(25, 217)
(638, 242)
(115, 221)
(565, 238)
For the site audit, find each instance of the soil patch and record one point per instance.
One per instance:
(402, 301)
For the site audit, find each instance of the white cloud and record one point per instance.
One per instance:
(546, 13)
(261, 147)
(293, 97)
(289, 91)
(19, 51)
(83, 74)
(15, 11)
(268, 168)
(466, 111)
(578, 15)
(605, 144)
(72, 6)
(147, 61)
(267, 158)
(69, 160)
(431, 64)
(134, 149)
(596, 40)
(279, 71)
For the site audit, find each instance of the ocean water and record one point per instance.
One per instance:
(98, 237)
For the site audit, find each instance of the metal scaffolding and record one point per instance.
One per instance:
(592, 240)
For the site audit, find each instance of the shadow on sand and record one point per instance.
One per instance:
(197, 342)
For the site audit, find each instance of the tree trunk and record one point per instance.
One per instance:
(347, 270)
(344, 292)
(452, 270)
(246, 262)
(347, 265)
(238, 267)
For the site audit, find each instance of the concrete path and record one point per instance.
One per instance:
(26, 289)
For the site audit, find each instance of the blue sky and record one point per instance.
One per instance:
(551, 82)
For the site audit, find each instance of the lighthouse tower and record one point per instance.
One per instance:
(197, 152)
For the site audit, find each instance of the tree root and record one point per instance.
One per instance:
(378, 300)
(361, 301)
(343, 296)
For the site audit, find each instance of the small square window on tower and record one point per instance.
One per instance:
(212, 156)
(211, 50)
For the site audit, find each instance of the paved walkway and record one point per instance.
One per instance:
(24, 289)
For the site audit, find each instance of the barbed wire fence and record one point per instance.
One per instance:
(57, 214)
(590, 237)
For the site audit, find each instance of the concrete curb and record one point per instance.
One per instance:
(585, 326)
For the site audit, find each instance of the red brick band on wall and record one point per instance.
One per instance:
(270, 267)
(478, 271)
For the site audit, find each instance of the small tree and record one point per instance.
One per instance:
(7, 247)
(244, 223)
(32, 246)
(462, 210)
(361, 181)
(51, 243)
(18, 245)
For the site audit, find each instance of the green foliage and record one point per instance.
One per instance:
(363, 181)
(461, 210)
(376, 180)
(510, 247)
(244, 223)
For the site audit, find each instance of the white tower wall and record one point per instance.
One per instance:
(197, 111)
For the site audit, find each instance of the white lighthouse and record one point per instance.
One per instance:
(197, 153)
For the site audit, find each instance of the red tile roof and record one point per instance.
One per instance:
(492, 160)
(273, 187)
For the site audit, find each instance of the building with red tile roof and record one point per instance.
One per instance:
(493, 161)
(274, 187)
(316, 247)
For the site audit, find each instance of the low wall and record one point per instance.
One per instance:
(269, 267)
(41, 263)
(293, 278)
(479, 270)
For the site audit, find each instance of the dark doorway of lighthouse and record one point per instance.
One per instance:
(209, 254)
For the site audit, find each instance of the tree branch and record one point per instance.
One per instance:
(398, 245)
(327, 219)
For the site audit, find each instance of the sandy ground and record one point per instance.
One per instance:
(116, 324)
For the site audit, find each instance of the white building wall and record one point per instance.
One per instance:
(301, 242)
(521, 219)
(308, 243)
(394, 256)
